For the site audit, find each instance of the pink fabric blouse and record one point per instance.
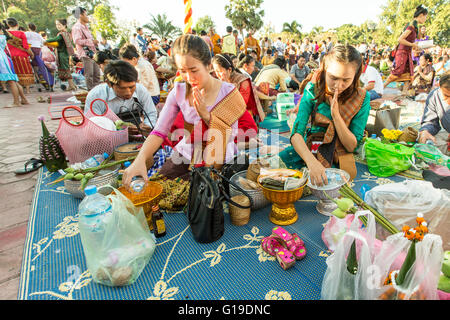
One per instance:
(176, 101)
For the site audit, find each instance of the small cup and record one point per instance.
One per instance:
(239, 216)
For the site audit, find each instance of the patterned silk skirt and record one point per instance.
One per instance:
(23, 69)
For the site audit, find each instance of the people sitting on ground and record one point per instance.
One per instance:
(423, 75)
(226, 71)
(337, 109)
(129, 100)
(272, 78)
(372, 82)
(258, 65)
(102, 58)
(435, 124)
(163, 74)
(210, 107)
(246, 64)
(268, 58)
(146, 74)
(299, 72)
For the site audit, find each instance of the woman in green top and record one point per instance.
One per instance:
(64, 52)
(338, 110)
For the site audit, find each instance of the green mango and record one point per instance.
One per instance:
(345, 204)
(446, 264)
(68, 176)
(69, 170)
(79, 176)
(339, 213)
(89, 175)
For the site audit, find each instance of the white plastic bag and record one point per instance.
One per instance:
(126, 247)
(400, 203)
(338, 283)
(422, 279)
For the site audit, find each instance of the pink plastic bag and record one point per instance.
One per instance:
(86, 139)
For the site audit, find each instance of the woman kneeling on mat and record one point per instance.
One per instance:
(211, 110)
(338, 109)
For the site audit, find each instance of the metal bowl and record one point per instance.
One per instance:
(336, 179)
(259, 201)
(108, 178)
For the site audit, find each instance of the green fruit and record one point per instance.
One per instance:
(89, 175)
(68, 176)
(84, 182)
(345, 204)
(79, 176)
(446, 264)
(339, 213)
(69, 170)
(444, 284)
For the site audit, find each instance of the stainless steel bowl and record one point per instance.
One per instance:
(336, 179)
(258, 198)
(109, 177)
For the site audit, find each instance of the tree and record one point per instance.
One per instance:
(293, 28)
(104, 22)
(162, 27)
(43, 13)
(245, 14)
(204, 23)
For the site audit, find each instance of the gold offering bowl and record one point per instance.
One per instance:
(283, 211)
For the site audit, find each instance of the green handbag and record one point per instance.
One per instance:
(387, 159)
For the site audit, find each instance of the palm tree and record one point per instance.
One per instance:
(162, 27)
(294, 27)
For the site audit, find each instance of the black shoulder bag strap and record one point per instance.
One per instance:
(227, 196)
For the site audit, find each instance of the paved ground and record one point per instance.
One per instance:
(19, 141)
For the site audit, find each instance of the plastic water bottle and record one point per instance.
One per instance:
(165, 86)
(137, 184)
(94, 161)
(429, 153)
(95, 212)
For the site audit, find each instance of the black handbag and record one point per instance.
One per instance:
(238, 164)
(205, 204)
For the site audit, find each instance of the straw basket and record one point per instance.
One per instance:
(73, 186)
(254, 168)
(259, 200)
(239, 216)
(146, 199)
(283, 211)
(126, 150)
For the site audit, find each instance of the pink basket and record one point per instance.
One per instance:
(84, 140)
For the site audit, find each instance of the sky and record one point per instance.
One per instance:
(326, 13)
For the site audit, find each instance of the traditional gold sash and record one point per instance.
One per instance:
(213, 150)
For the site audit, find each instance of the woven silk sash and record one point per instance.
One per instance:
(331, 148)
(229, 110)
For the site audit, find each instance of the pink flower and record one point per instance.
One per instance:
(41, 118)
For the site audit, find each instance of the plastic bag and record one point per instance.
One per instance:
(334, 229)
(338, 283)
(400, 203)
(386, 159)
(422, 279)
(126, 247)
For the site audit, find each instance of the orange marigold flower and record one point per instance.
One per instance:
(405, 228)
(419, 220)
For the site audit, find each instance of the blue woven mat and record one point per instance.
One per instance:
(232, 268)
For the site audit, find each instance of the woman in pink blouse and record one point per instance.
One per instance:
(209, 106)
